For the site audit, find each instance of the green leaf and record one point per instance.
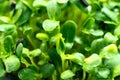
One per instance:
(53, 10)
(56, 59)
(47, 70)
(116, 70)
(7, 28)
(117, 31)
(88, 24)
(109, 51)
(39, 3)
(50, 25)
(8, 44)
(60, 45)
(35, 52)
(26, 13)
(76, 57)
(19, 50)
(68, 31)
(12, 63)
(103, 73)
(112, 61)
(97, 45)
(91, 63)
(42, 36)
(5, 19)
(67, 74)
(109, 38)
(2, 71)
(112, 15)
(16, 15)
(96, 32)
(27, 74)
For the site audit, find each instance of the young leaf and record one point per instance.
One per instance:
(76, 57)
(7, 28)
(42, 36)
(91, 63)
(12, 63)
(103, 73)
(2, 71)
(67, 74)
(109, 51)
(53, 10)
(112, 61)
(35, 52)
(47, 70)
(50, 25)
(68, 31)
(8, 44)
(112, 15)
(109, 38)
(27, 74)
(19, 50)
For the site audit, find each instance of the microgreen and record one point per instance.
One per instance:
(60, 39)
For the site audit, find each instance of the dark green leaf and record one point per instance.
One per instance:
(47, 70)
(88, 24)
(2, 71)
(56, 59)
(16, 15)
(97, 45)
(27, 74)
(8, 44)
(68, 31)
(19, 50)
(26, 13)
(12, 63)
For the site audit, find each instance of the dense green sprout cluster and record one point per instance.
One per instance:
(60, 39)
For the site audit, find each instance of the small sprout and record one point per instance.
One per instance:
(12, 63)
(67, 74)
(42, 36)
